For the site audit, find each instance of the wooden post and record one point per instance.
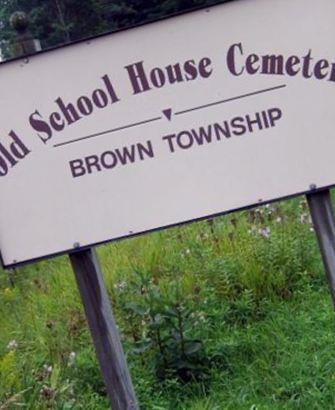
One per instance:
(103, 330)
(324, 224)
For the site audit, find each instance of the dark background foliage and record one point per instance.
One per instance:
(61, 21)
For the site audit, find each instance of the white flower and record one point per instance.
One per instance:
(72, 357)
(202, 316)
(269, 209)
(303, 218)
(265, 232)
(120, 286)
(186, 252)
(12, 345)
(253, 230)
(47, 369)
(279, 219)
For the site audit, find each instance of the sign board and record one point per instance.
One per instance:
(192, 116)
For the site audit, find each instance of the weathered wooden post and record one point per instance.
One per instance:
(90, 283)
(324, 223)
(103, 329)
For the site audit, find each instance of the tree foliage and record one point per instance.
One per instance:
(60, 21)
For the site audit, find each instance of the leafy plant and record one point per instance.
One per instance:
(166, 332)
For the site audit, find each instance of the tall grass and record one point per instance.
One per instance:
(232, 313)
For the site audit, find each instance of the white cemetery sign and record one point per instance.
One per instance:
(181, 119)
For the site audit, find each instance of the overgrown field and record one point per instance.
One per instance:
(232, 313)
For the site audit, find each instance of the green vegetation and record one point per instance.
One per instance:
(232, 313)
(63, 21)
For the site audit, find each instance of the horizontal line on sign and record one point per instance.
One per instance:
(200, 107)
(136, 124)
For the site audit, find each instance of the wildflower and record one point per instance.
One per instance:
(71, 390)
(279, 219)
(72, 357)
(265, 232)
(305, 218)
(253, 230)
(202, 317)
(12, 345)
(121, 286)
(47, 369)
(47, 392)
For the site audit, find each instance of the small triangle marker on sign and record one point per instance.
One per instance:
(168, 113)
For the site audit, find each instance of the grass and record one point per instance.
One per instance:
(247, 291)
